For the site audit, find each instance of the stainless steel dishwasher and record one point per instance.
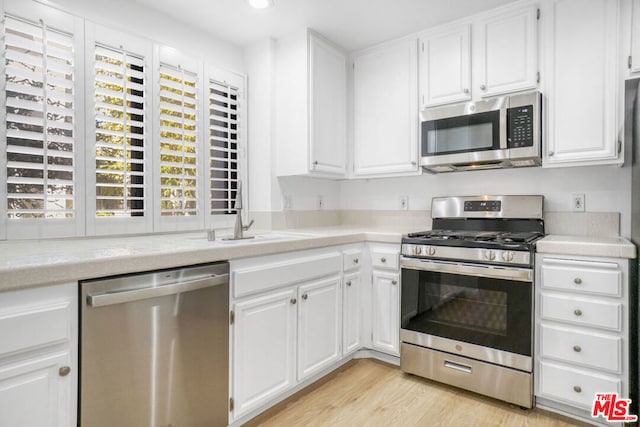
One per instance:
(154, 349)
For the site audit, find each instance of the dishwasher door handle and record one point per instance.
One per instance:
(121, 297)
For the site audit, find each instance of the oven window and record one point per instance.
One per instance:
(475, 132)
(493, 313)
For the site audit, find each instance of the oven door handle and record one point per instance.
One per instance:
(489, 271)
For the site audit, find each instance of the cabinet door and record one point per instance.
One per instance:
(583, 93)
(327, 107)
(35, 392)
(386, 110)
(319, 326)
(445, 66)
(386, 317)
(635, 38)
(264, 336)
(507, 57)
(351, 313)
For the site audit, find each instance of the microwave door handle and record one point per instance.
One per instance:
(503, 127)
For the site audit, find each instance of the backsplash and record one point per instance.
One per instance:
(593, 224)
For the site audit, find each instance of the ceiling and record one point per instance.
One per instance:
(352, 24)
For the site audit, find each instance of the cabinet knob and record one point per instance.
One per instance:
(293, 300)
(356, 260)
(577, 348)
(348, 282)
(394, 282)
(550, 154)
(466, 91)
(383, 259)
(577, 312)
(305, 296)
(315, 163)
(64, 371)
(577, 389)
(577, 281)
(483, 87)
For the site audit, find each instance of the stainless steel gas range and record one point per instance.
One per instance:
(467, 295)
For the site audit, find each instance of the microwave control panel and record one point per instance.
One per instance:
(520, 127)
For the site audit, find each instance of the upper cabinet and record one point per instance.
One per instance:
(502, 46)
(385, 86)
(445, 64)
(507, 52)
(582, 83)
(310, 107)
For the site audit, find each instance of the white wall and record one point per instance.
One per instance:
(131, 17)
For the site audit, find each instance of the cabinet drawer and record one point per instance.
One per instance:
(604, 278)
(599, 314)
(574, 386)
(351, 259)
(387, 260)
(583, 348)
(29, 327)
(258, 278)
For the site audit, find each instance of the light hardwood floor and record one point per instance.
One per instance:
(365, 392)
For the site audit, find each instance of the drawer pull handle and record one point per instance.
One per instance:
(348, 282)
(458, 367)
(577, 281)
(577, 348)
(64, 371)
(577, 312)
(394, 282)
(383, 259)
(355, 260)
(577, 389)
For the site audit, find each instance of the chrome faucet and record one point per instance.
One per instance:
(237, 205)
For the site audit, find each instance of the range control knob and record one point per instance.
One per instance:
(490, 255)
(432, 251)
(507, 256)
(417, 249)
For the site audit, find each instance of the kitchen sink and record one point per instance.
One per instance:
(262, 237)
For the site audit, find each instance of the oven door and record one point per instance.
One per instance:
(483, 312)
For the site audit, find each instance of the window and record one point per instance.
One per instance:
(40, 138)
(119, 133)
(179, 140)
(223, 146)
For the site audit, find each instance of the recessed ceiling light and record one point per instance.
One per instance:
(260, 4)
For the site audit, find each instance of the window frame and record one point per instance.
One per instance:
(45, 227)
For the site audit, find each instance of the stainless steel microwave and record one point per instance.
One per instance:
(501, 132)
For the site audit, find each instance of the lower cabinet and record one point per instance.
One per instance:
(38, 362)
(582, 343)
(386, 316)
(351, 313)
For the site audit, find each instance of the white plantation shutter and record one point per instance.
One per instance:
(224, 117)
(39, 106)
(179, 140)
(120, 138)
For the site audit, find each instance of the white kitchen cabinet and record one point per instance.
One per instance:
(445, 65)
(582, 75)
(582, 337)
(351, 314)
(310, 107)
(386, 326)
(386, 110)
(38, 356)
(264, 348)
(319, 325)
(634, 59)
(507, 52)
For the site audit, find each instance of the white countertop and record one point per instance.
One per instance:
(613, 247)
(29, 263)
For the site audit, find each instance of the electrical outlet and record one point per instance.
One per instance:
(287, 203)
(320, 202)
(404, 203)
(577, 202)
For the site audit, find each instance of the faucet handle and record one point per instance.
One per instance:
(248, 226)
